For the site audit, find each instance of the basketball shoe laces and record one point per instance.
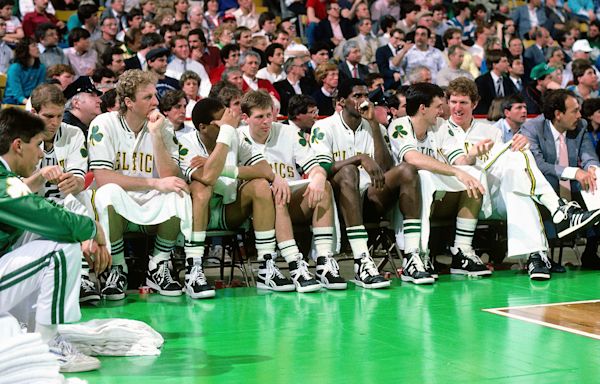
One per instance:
(302, 269)
(197, 275)
(473, 256)
(113, 277)
(87, 284)
(272, 270)
(331, 266)
(369, 266)
(163, 272)
(546, 260)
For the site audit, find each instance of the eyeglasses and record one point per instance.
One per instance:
(314, 112)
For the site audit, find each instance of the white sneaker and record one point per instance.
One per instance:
(70, 359)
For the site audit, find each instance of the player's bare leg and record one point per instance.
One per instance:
(115, 282)
(466, 210)
(345, 184)
(322, 218)
(402, 185)
(196, 285)
(255, 198)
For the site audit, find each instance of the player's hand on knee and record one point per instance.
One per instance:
(51, 173)
(520, 142)
(172, 184)
(473, 187)
(315, 192)
(374, 171)
(281, 190)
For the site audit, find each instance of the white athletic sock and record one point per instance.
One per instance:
(411, 228)
(465, 230)
(194, 248)
(323, 237)
(288, 250)
(265, 243)
(357, 237)
(117, 251)
(162, 249)
(549, 201)
(48, 332)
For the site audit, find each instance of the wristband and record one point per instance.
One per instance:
(226, 135)
(230, 171)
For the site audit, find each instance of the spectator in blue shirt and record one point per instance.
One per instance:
(25, 73)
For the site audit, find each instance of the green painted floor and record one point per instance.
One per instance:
(405, 334)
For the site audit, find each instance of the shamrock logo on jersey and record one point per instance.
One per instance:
(450, 132)
(96, 136)
(83, 152)
(182, 151)
(16, 188)
(399, 132)
(316, 136)
(302, 140)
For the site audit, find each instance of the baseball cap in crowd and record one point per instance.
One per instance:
(82, 85)
(155, 53)
(541, 70)
(582, 46)
(229, 17)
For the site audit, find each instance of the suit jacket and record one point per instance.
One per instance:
(521, 17)
(487, 91)
(382, 57)
(133, 63)
(579, 145)
(534, 55)
(345, 73)
(325, 33)
(286, 92)
(366, 48)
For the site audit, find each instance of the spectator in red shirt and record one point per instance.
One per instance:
(39, 16)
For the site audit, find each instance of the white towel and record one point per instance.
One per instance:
(151, 208)
(113, 337)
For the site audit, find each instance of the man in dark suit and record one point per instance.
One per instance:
(537, 52)
(324, 31)
(294, 84)
(564, 151)
(494, 83)
(148, 42)
(350, 67)
(389, 57)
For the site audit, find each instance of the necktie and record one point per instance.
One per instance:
(499, 89)
(563, 160)
(184, 65)
(519, 85)
(355, 72)
(369, 49)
